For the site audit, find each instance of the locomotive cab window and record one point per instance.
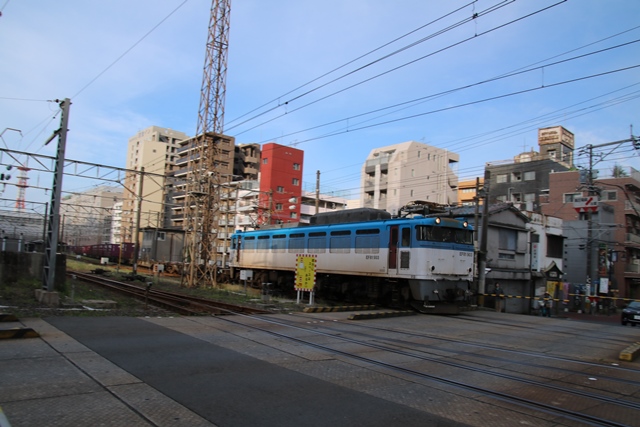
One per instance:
(464, 236)
(405, 240)
(434, 234)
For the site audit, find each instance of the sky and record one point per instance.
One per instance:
(333, 78)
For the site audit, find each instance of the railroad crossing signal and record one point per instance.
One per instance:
(586, 204)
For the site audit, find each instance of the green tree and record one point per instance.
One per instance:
(618, 171)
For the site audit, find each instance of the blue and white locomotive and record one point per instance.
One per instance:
(364, 255)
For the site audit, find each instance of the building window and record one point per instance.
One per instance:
(413, 172)
(530, 197)
(516, 176)
(280, 189)
(265, 161)
(296, 166)
(610, 195)
(295, 181)
(552, 154)
(554, 246)
(507, 239)
(502, 198)
(278, 206)
(293, 215)
(530, 176)
(500, 179)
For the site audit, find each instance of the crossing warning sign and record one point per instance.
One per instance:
(305, 273)
(586, 204)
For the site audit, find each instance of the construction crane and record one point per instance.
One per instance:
(202, 198)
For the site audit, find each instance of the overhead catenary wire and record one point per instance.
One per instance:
(277, 99)
(414, 101)
(450, 46)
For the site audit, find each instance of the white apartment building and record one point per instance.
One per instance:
(154, 148)
(116, 224)
(397, 174)
(86, 217)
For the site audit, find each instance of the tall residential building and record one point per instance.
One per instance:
(188, 152)
(397, 174)
(116, 223)
(246, 161)
(281, 182)
(155, 150)
(524, 181)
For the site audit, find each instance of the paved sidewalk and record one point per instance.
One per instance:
(56, 381)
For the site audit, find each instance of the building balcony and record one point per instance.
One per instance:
(632, 238)
(633, 267)
(630, 206)
(453, 180)
(250, 170)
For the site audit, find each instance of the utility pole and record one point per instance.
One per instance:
(53, 226)
(589, 246)
(482, 252)
(136, 246)
(317, 192)
(591, 191)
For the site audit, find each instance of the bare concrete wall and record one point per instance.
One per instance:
(15, 266)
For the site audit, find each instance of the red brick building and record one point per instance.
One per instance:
(615, 227)
(281, 182)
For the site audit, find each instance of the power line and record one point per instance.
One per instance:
(82, 89)
(397, 68)
(277, 99)
(460, 88)
(493, 98)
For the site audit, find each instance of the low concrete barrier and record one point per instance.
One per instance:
(630, 353)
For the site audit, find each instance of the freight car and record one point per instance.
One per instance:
(116, 253)
(423, 261)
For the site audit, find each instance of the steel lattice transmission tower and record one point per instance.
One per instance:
(202, 198)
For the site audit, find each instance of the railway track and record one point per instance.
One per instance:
(557, 391)
(177, 302)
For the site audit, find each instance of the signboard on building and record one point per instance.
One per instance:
(535, 249)
(586, 204)
(555, 135)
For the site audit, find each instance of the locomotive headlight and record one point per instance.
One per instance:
(438, 220)
(465, 224)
